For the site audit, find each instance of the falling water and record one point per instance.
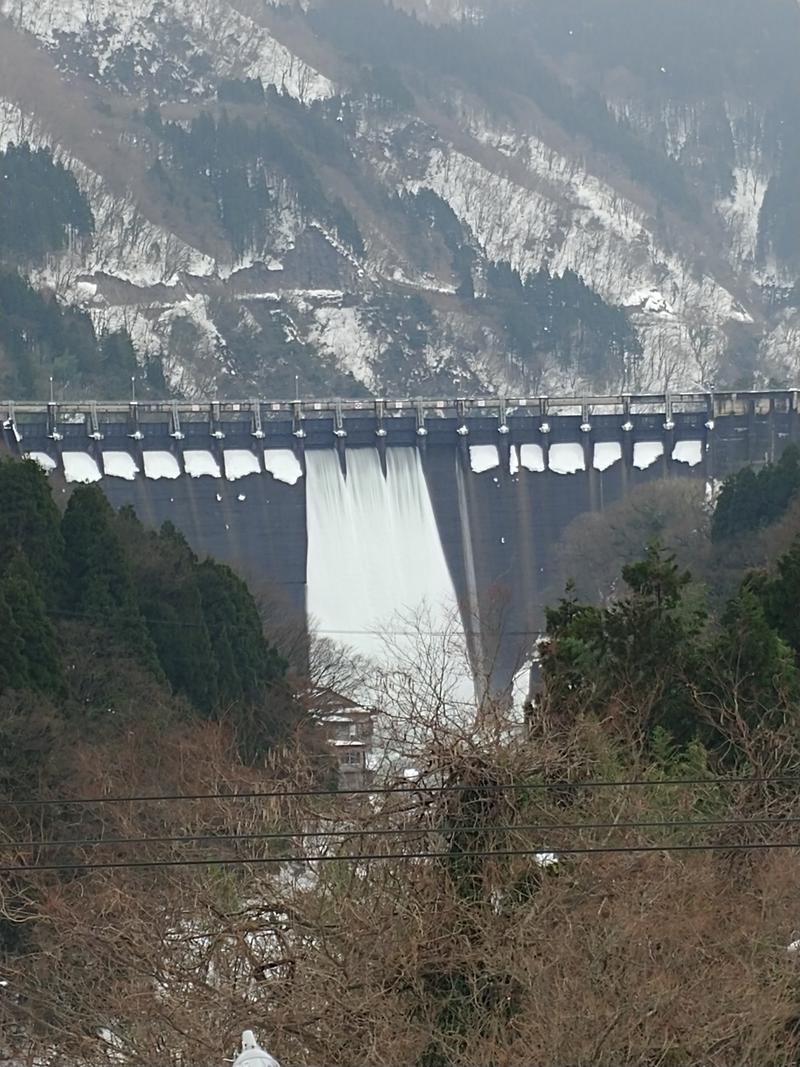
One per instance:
(374, 552)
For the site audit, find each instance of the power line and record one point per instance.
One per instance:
(378, 632)
(431, 633)
(260, 861)
(402, 831)
(488, 788)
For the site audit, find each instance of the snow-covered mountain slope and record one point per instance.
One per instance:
(282, 189)
(152, 45)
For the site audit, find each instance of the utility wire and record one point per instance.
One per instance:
(380, 632)
(402, 831)
(487, 788)
(365, 857)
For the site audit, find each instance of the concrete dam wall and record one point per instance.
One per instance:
(361, 510)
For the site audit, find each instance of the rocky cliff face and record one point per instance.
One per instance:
(327, 190)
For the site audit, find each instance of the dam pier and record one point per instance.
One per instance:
(361, 510)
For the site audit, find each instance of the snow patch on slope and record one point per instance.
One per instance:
(193, 311)
(742, 210)
(589, 229)
(649, 301)
(181, 334)
(535, 207)
(235, 45)
(129, 247)
(126, 245)
(339, 332)
(16, 127)
(444, 10)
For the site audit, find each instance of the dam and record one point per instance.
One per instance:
(361, 511)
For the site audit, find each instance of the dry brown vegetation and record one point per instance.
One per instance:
(621, 958)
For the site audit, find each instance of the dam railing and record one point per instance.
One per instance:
(335, 418)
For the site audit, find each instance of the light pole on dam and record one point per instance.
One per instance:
(358, 509)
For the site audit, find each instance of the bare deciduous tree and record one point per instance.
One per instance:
(456, 943)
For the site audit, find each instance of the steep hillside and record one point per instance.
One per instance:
(362, 197)
(94, 612)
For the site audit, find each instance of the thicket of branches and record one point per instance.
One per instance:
(628, 957)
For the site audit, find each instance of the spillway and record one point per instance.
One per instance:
(375, 557)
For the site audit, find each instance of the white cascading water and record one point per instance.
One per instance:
(374, 551)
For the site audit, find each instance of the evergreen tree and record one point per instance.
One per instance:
(780, 595)
(135, 615)
(29, 621)
(38, 337)
(208, 635)
(30, 524)
(638, 657)
(750, 500)
(13, 662)
(165, 572)
(246, 663)
(39, 205)
(99, 583)
(245, 91)
(246, 172)
(751, 661)
(561, 316)
(118, 364)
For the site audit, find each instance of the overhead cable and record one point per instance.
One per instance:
(258, 861)
(401, 831)
(405, 790)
